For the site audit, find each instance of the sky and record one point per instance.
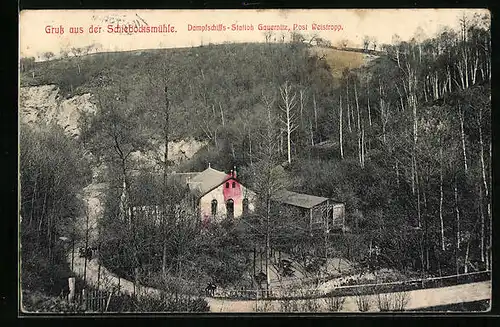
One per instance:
(37, 29)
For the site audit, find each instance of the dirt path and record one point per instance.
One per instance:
(416, 299)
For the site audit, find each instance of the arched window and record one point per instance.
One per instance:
(230, 209)
(245, 206)
(227, 184)
(234, 184)
(214, 207)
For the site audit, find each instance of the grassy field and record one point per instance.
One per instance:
(339, 60)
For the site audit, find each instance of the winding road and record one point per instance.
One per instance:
(417, 299)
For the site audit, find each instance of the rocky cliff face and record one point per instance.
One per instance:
(45, 105)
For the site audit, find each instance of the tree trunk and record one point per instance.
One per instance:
(466, 264)
(483, 226)
(466, 70)
(485, 182)
(362, 147)
(358, 125)
(288, 139)
(418, 199)
(397, 173)
(474, 69)
(268, 214)
(288, 105)
(222, 114)
(457, 215)
(33, 198)
(462, 133)
(369, 113)
(489, 217)
(166, 197)
(348, 108)
(449, 78)
(301, 107)
(250, 148)
(400, 99)
(254, 267)
(483, 166)
(441, 198)
(86, 245)
(315, 113)
(340, 129)
(99, 266)
(413, 173)
(312, 134)
(383, 112)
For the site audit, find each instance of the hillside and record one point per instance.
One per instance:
(231, 75)
(340, 60)
(215, 90)
(44, 104)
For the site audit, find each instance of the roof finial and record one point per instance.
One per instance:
(209, 165)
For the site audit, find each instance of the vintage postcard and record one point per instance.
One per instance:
(255, 161)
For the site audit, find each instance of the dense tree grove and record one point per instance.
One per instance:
(404, 141)
(52, 173)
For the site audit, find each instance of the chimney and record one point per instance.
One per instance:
(234, 171)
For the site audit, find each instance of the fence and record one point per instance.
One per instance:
(93, 300)
(364, 289)
(410, 285)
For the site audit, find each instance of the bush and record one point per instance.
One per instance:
(363, 302)
(334, 304)
(39, 302)
(310, 305)
(263, 306)
(401, 300)
(38, 274)
(385, 302)
(393, 301)
(288, 305)
(163, 303)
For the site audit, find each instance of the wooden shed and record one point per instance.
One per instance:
(321, 212)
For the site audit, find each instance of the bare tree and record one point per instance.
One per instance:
(374, 43)
(340, 128)
(343, 43)
(366, 42)
(288, 98)
(334, 304)
(268, 36)
(297, 37)
(47, 55)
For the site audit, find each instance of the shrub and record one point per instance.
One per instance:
(289, 305)
(363, 302)
(39, 302)
(285, 305)
(310, 305)
(334, 304)
(385, 302)
(401, 300)
(163, 303)
(393, 301)
(263, 306)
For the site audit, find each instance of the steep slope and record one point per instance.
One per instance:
(44, 105)
(339, 60)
